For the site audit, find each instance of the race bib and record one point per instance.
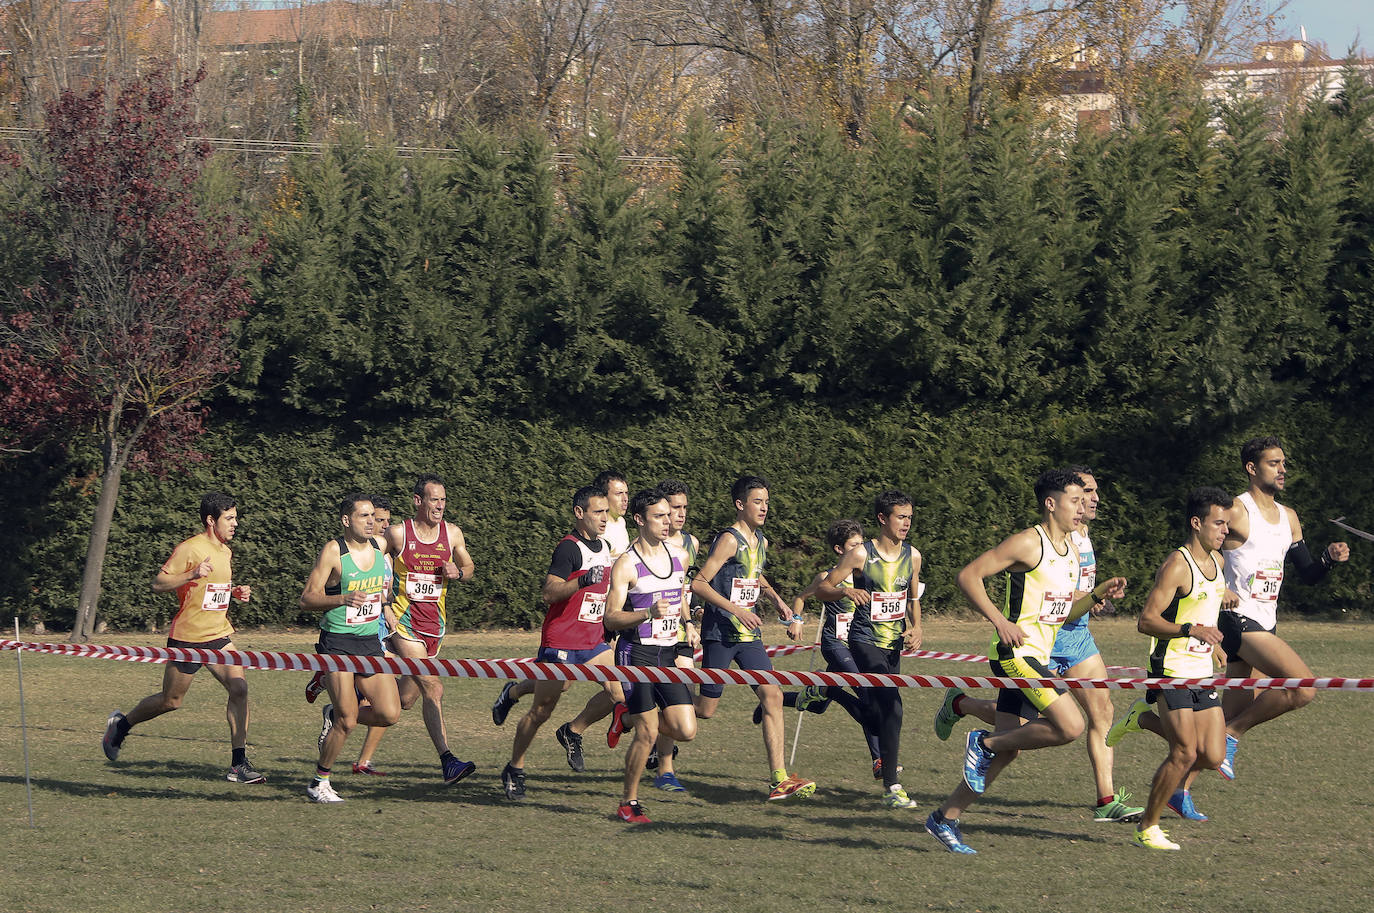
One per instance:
(887, 606)
(1054, 608)
(369, 611)
(593, 608)
(842, 620)
(216, 597)
(423, 587)
(744, 591)
(1199, 647)
(1087, 571)
(663, 631)
(1264, 586)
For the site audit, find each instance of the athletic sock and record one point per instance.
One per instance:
(122, 727)
(443, 758)
(240, 756)
(958, 699)
(779, 774)
(321, 773)
(1105, 800)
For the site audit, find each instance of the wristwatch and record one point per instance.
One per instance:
(1185, 630)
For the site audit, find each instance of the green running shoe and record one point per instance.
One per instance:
(945, 717)
(1117, 809)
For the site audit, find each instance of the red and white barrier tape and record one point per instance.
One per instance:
(517, 669)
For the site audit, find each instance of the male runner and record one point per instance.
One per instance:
(730, 582)
(348, 584)
(618, 494)
(664, 755)
(1042, 572)
(381, 522)
(885, 572)
(199, 572)
(1262, 535)
(1180, 615)
(652, 577)
(1075, 655)
(843, 536)
(430, 556)
(575, 592)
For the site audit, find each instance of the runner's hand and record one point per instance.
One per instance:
(450, 570)
(242, 593)
(911, 638)
(1229, 601)
(858, 596)
(202, 570)
(1009, 634)
(1206, 634)
(1338, 551)
(747, 618)
(794, 630)
(355, 599)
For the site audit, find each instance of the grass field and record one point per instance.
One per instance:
(163, 830)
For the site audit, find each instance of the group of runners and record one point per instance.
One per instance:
(654, 599)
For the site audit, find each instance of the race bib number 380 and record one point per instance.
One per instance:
(593, 607)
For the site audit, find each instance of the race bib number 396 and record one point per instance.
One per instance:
(423, 587)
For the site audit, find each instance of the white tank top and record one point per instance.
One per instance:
(1255, 569)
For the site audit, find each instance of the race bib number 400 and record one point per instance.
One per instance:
(887, 606)
(1054, 608)
(216, 597)
(744, 591)
(369, 611)
(423, 587)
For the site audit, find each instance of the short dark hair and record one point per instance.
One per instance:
(427, 479)
(1081, 470)
(583, 496)
(213, 504)
(671, 487)
(1054, 481)
(883, 504)
(350, 502)
(605, 477)
(641, 500)
(841, 531)
(1250, 451)
(1202, 500)
(745, 484)
(380, 502)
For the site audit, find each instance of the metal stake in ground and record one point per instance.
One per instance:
(810, 667)
(23, 726)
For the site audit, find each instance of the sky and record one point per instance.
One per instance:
(1336, 23)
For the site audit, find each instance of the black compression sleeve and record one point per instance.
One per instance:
(1309, 570)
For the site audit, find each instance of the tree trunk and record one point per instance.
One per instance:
(978, 70)
(96, 546)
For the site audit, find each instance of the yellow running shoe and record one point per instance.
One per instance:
(1128, 723)
(1154, 838)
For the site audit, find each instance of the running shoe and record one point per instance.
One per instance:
(1228, 767)
(976, 761)
(617, 728)
(945, 717)
(455, 770)
(572, 744)
(896, 797)
(793, 786)
(501, 707)
(946, 830)
(813, 698)
(878, 769)
(314, 687)
(328, 714)
(1117, 809)
(651, 762)
(110, 743)
(632, 813)
(244, 773)
(668, 782)
(513, 782)
(1128, 723)
(1154, 838)
(321, 791)
(368, 769)
(1182, 804)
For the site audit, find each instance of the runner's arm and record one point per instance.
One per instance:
(1021, 549)
(1083, 603)
(460, 566)
(701, 584)
(166, 581)
(829, 588)
(616, 618)
(328, 568)
(1172, 578)
(912, 636)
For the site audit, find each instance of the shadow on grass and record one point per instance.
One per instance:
(191, 774)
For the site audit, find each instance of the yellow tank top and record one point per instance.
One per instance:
(1038, 600)
(1188, 657)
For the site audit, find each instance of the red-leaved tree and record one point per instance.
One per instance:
(132, 317)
